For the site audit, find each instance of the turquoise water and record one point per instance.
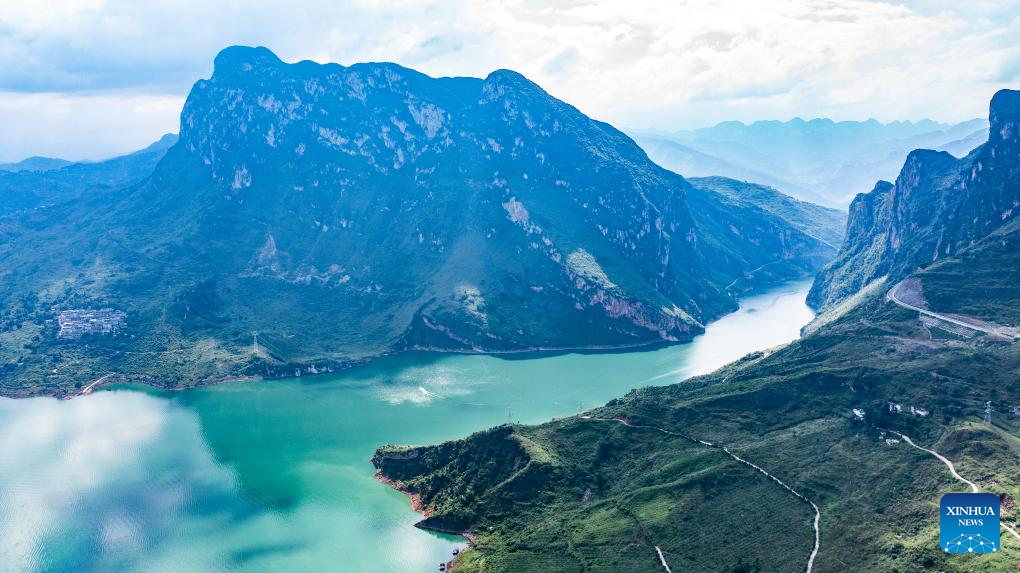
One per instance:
(275, 475)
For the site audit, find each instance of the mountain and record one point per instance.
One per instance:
(819, 160)
(938, 206)
(598, 495)
(36, 163)
(681, 158)
(787, 238)
(313, 216)
(825, 224)
(29, 188)
(827, 440)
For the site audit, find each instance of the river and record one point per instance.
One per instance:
(275, 475)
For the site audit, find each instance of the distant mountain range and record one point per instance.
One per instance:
(311, 216)
(820, 160)
(36, 163)
(40, 181)
(938, 206)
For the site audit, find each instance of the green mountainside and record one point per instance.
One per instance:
(590, 495)
(825, 224)
(669, 468)
(313, 216)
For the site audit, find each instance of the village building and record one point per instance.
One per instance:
(76, 323)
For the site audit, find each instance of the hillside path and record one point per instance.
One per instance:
(662, 558)
(726, 450)
(92, 385)
(952, 469)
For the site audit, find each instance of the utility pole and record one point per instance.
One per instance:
(988, 412)
(255, 343)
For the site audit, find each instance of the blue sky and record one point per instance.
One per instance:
(90, 78)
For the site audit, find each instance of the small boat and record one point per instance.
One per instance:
(456, 551)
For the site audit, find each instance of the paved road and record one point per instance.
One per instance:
(893, 295)
(726, 450)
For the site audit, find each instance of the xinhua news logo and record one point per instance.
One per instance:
(969, 523)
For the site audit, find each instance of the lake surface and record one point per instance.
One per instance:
(275, 475)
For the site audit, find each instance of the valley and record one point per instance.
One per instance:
(340, 287)
(899, 349)
(259, 476)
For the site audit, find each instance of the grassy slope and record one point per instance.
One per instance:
(950, 285)
(822, 223)
(789, 412)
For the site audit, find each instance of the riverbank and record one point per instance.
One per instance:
(415, 499)
(276, 475)
(324, 368)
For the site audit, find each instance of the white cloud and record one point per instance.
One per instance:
(666, 63)
(83, 126)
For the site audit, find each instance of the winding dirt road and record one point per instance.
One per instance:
(952, 469)
(92, 385)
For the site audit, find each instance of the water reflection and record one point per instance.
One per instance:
(275, 475)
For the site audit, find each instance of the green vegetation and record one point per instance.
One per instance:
(601, 495)
(950, 284)
(825, 224)
(44, 182)
(312, 216)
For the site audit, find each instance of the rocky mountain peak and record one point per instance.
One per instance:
(236, 62)
(377, 206)
(1004, 115)
(503, 82)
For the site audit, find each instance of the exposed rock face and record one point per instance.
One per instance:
(344, 212)
(938, 206)
(451, 171)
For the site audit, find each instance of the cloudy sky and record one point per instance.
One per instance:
(91, 78)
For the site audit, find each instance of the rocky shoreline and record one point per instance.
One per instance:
(419, 507)
(415, 499)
